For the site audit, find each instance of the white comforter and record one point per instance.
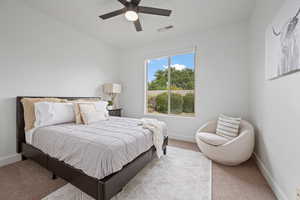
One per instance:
(98, 149)
(157, 128)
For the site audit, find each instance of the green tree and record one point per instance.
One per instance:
(188, 103)
(160, 82)
(176, 103)
(180, 79)
(183, 79)
(162, 103)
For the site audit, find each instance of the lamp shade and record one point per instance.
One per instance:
(112, 88)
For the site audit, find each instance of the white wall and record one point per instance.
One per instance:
(275, 110)
(221, 77)
(40, 56)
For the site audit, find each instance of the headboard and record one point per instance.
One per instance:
(20, 132)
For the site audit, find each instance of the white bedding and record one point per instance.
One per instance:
(98, 149)
(157, 128)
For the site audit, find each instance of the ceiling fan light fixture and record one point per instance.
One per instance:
(131, 15)
(131, 9)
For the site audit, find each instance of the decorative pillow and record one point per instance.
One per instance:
(228, 127)
(51, 113)
(77, 110)
(90, 114)
(92, 117)
(99, 106)
(87, 107)
(29, 113)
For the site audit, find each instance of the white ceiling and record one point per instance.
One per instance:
(187, 16)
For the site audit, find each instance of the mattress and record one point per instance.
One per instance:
(98, 149)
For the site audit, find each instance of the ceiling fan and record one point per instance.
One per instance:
(131, 11)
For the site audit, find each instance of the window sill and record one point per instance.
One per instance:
(171, 115)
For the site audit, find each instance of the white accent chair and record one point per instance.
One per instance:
(224, 151)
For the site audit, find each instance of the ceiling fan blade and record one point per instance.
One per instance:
(124, 2)
(136, 2)
(154, 11)
(138, 25)
(113, 14)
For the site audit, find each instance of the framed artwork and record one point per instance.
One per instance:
(283, 41)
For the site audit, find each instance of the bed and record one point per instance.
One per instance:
(126, 149)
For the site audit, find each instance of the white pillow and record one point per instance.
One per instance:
(92, 117)
(63, 113)
(101, 106)
(43, 114)
(90, 114)
(228, 126)
(50, 113)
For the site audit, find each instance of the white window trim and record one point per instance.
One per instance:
(166, 55)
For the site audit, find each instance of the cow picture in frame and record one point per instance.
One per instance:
(283, 42)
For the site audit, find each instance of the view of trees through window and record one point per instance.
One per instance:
(171, 84)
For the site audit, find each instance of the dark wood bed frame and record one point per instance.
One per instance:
(103, 189)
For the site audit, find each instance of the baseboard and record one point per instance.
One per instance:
(273, 184)
(9, 159)
(182, 138)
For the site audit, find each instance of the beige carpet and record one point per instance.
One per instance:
(181, 175)
(26, 180)
(243, 182)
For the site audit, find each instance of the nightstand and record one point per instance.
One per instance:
(117, 112)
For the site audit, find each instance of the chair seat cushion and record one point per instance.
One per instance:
(212, 138)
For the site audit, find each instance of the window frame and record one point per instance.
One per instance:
(168, 56)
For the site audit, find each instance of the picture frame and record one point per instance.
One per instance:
(283, 42)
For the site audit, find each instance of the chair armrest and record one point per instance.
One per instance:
(209, 127)
(246, 138)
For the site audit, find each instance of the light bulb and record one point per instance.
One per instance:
(131, 15)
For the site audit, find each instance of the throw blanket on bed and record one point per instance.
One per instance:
(157, 129)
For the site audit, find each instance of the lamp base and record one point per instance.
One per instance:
(115, 101)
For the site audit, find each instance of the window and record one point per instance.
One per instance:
(171, 85)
